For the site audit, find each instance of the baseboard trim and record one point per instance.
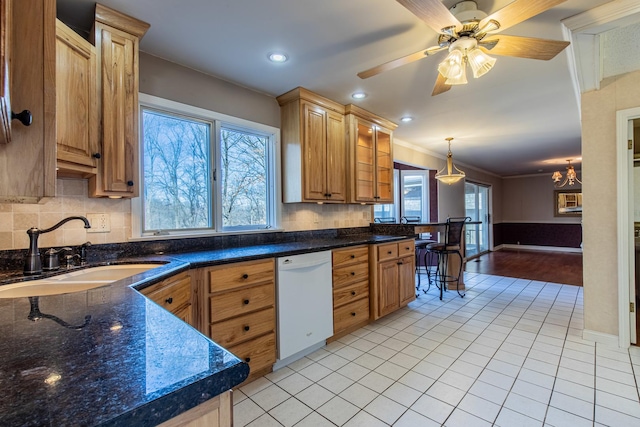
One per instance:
(600, 338)
(538, 248)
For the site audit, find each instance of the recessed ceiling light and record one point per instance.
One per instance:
(358, 95)
(406, 119)
(277, 57)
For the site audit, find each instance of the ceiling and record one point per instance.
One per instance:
(520, 118)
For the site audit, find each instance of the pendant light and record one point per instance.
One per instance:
(447, 174)
(571, 178)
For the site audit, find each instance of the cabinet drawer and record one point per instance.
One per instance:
(344, 276)
(258, 353)
(242, 301)
(387, 251)
(407, 247)
(230, 276)
(355, 255)
(350, 314)
(172, 294)
(350, 293)
(243, 328)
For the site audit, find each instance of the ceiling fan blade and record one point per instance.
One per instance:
(433, 12)
(440, 86)
(399, 62)
(524, 47)
(518, 11)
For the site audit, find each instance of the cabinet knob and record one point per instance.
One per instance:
(353, 314)
(389, 252)
(353, 256)
(129, 183)
(245, 276)
(169, 300)
(353, 293)
(247, 359)
(246, 328)
(96, 155)
(399, 263)
(353, 273)
(246, 302)
(25, 117)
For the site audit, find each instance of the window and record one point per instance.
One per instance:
(411, 191)
(203, 171)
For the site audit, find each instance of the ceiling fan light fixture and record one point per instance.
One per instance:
(480, 62)
(453, 65)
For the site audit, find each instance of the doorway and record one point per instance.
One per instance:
(476, 203)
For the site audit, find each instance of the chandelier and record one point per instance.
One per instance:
(450, 177)
(571, 178)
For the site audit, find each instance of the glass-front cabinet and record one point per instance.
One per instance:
(371, 142)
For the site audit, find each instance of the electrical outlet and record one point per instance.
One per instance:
(100, 223)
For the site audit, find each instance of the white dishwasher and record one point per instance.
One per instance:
(304, 304)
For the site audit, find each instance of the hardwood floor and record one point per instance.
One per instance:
(556, 267)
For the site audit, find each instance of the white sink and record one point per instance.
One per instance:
(74, 281)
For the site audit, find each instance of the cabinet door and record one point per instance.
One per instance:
(384, 167)
(76, 106)
(364, 162)
(118, 59)
(5, 49)
(406, 279)
(314, 151)
(336, 158)
(389, 299)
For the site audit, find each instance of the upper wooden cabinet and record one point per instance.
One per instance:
(313, 148)
(5, 54)
(370, 156)
(116, 38)
(76, 104)
(28, 162)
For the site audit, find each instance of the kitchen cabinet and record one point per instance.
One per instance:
(5, 57)
(117, 37)
(350, 289)
(28, 162)
(76, 104)
(239, 311)
(174, 294)
(370, 140)
(216, 412)
(392, 267)
(313, 148)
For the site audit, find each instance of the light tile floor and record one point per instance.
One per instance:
(509, 353)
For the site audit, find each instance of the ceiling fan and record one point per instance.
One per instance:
(470, 34)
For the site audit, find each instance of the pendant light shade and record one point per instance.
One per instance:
(450, 174)
(480, 62)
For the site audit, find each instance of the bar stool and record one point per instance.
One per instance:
(452, 245)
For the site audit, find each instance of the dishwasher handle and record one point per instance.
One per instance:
(290, 264)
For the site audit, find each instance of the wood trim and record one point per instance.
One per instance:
(367, 115)
(119, 20)
(301, 93)
(215, 412)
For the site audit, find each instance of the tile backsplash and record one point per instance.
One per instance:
(72, 199)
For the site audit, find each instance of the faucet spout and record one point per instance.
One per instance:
(33, 263)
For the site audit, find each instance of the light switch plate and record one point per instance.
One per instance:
(100, 223)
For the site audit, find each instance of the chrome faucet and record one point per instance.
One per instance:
(33, 263)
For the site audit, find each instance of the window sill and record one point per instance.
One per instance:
(194, 235)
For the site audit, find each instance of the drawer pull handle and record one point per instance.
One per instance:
(352, 256)
(247, 359)
(353, 293)
(353, 314)
(169, 300)
(245, 276)
(246, 328)
(389, 252)
(246, 302)
(353, 273)
(399, 263)
(407, 248)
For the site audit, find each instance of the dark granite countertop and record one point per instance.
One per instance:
(132, 362)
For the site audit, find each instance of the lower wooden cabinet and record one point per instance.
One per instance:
(216, 412)
(173, 294)
(392, 269)
(350, 288)
(238, 311)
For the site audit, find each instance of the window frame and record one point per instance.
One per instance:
(218, 121)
